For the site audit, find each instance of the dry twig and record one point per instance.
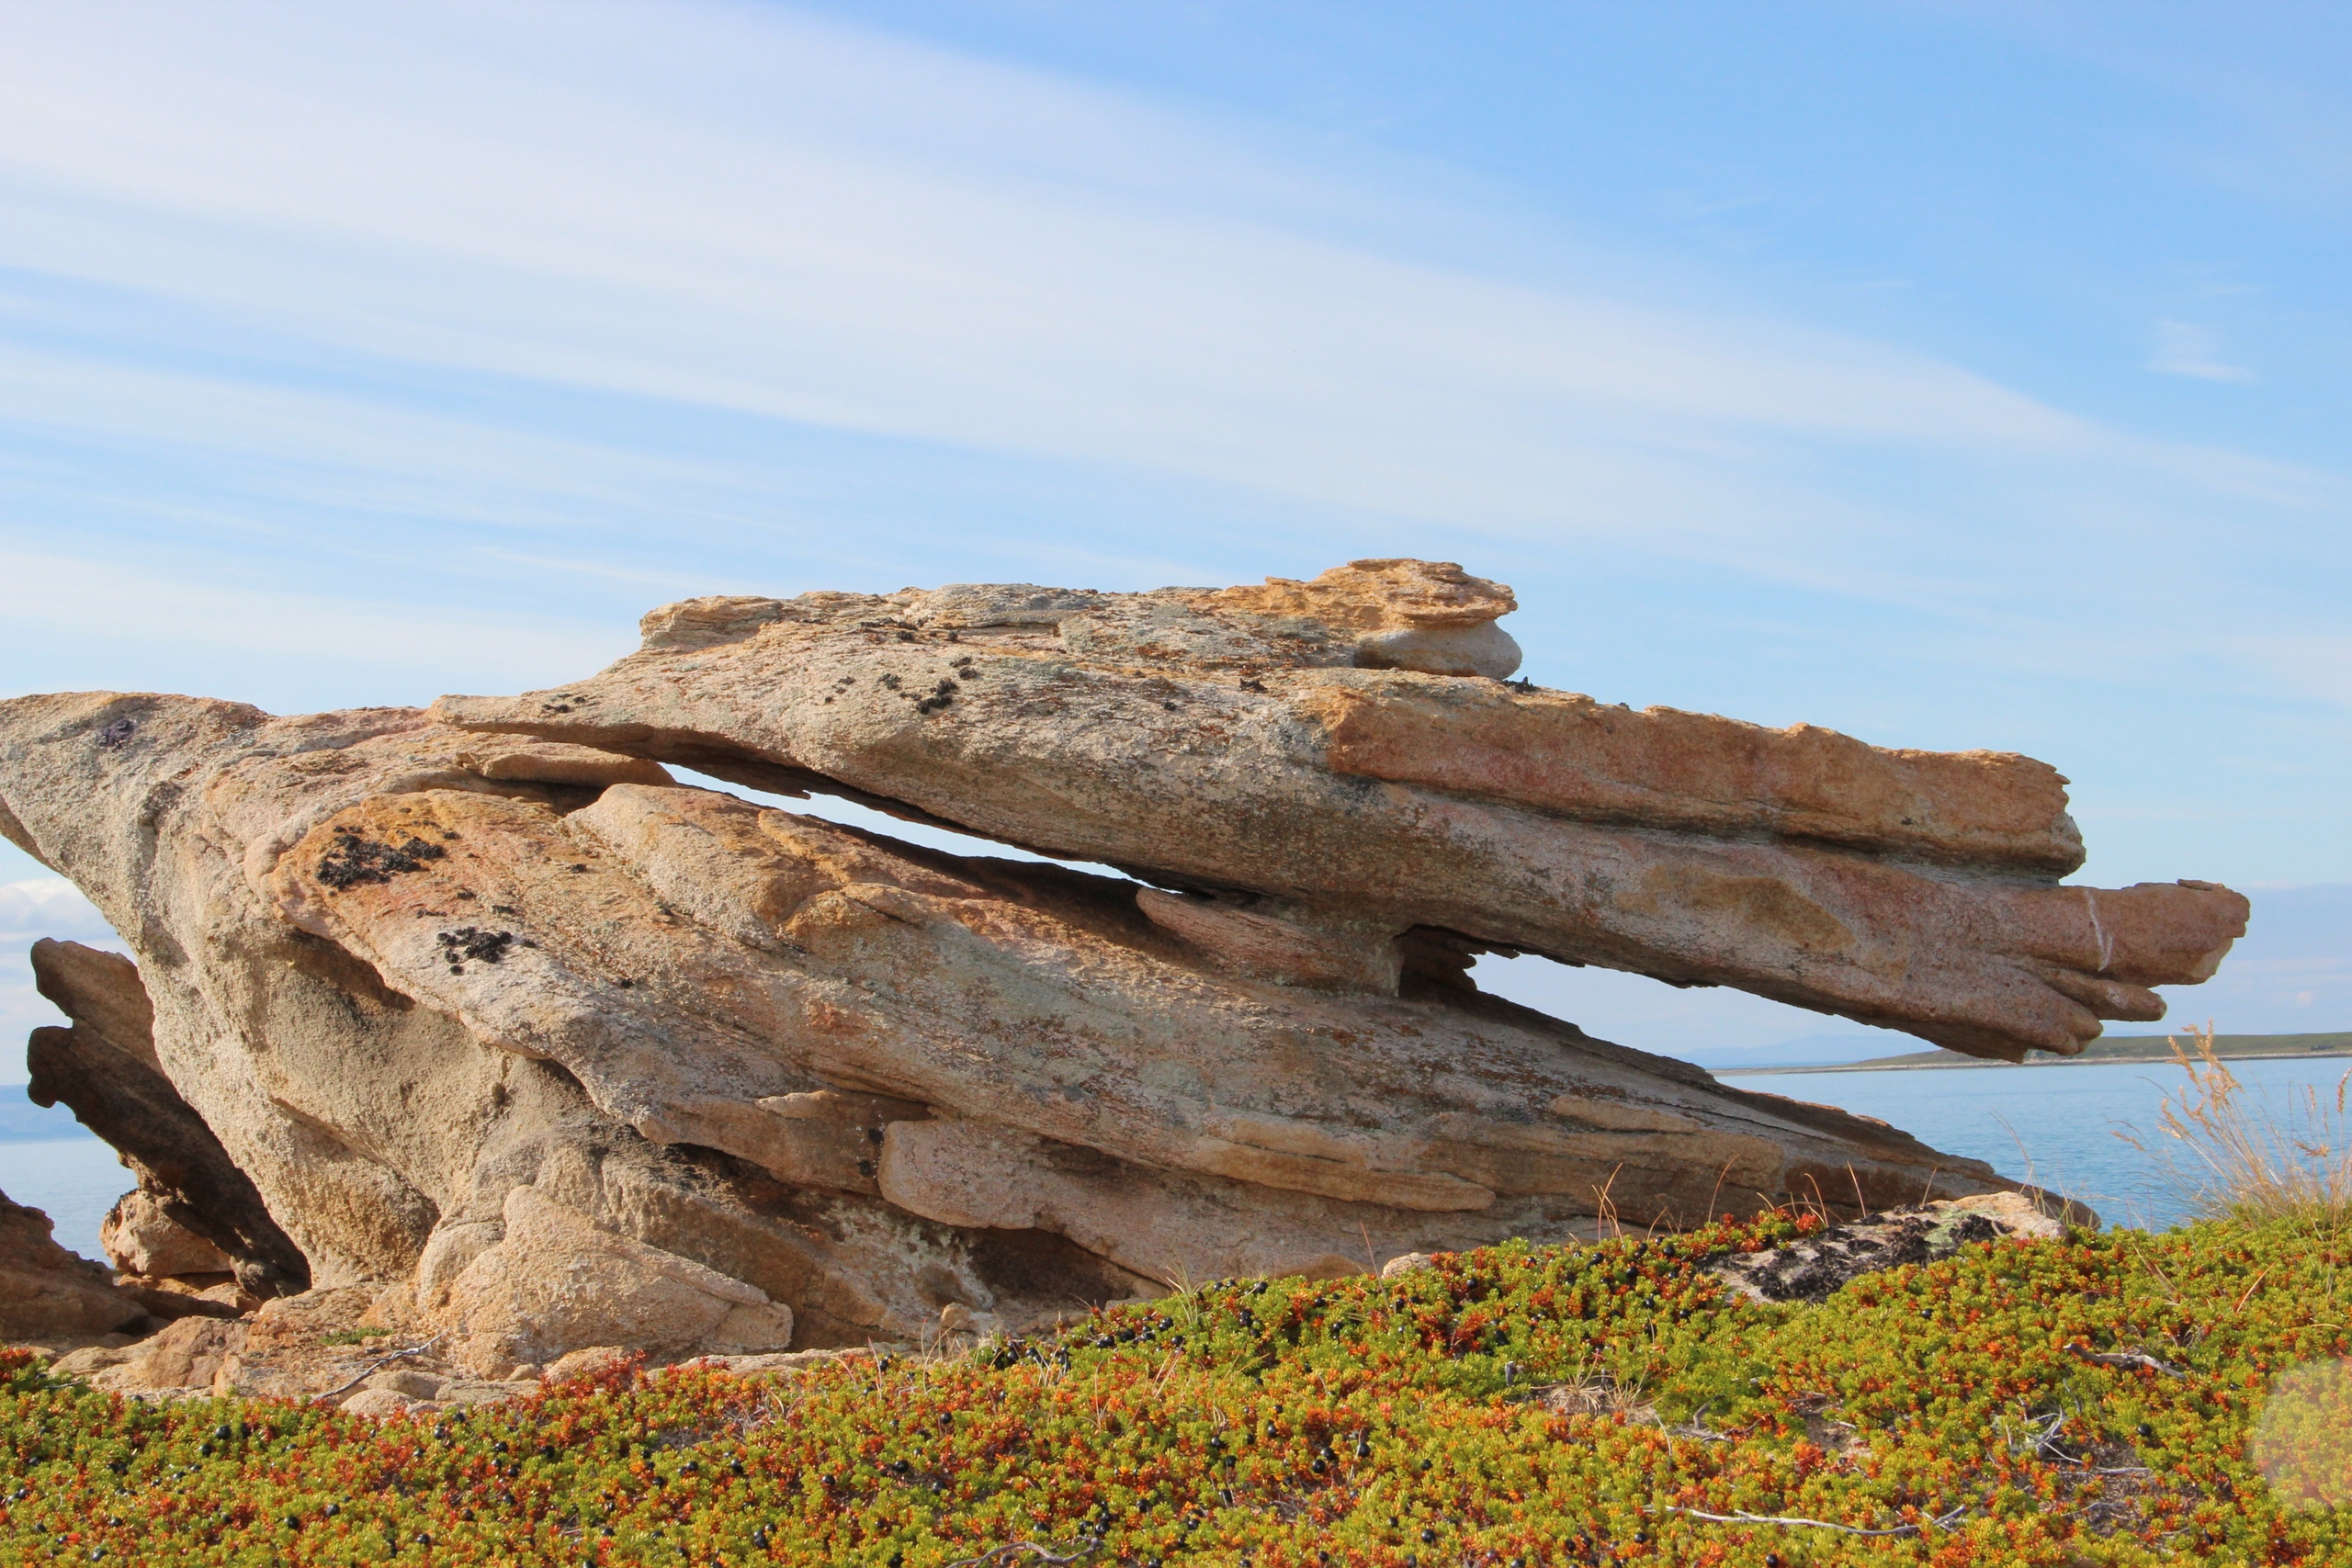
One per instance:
(1006, 1552)
(2124, 1358)
(1940, 1522)
(372, 1368)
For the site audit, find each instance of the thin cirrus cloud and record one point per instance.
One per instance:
(49, 594)
(416, 185)
(2185, 350)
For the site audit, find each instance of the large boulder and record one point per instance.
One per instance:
(140, 1235)
(1255, 744)
(49, 1294)
(557, 1281)
(489, 1008)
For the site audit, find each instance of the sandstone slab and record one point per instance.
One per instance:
(1242, 742)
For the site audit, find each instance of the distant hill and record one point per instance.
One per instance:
(22, 1121)
(2114, 1048)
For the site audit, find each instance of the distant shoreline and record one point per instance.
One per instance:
(2127, 1049)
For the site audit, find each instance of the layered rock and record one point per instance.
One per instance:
(487, 1004)
(1235, 743)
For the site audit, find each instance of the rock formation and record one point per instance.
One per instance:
(489, 1008)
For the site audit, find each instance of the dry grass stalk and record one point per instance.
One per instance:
(2229, 1153)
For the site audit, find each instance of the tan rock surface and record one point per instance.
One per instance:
(49, 1293)
(187, 1354)
(588, 1361)
(379, 1402)
(141, 1237)
(556, 1280)
(529, 1048)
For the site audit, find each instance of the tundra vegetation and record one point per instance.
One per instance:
(2087, 1400)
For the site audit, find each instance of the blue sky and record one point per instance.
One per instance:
(1953, 374)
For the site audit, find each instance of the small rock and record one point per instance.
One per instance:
(232, 1296)
(408, 1382)
(1410, 1263)
(188, 1353)
(167, 1298)
(93, 1358)
(49, 1293)
(141, 1238)
(472, 1391)
(557, 1280)
(378, 1402)
(585, 1363)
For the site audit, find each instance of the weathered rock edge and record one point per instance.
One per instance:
(1263, 747)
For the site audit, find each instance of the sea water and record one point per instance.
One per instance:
(74, 1181)
(2055, 1124)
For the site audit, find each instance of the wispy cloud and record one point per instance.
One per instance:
(2185, 350)
(55, 593)
(46, 906)
(416, 183)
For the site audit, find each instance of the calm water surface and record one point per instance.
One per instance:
(2054, 1125)
(73, 1180)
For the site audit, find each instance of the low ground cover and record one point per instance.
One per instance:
(2084, 1400)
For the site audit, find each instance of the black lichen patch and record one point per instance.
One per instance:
(1814, 1268)
(356, 859)
(472, 942)
(941, 696)
(115, 734)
